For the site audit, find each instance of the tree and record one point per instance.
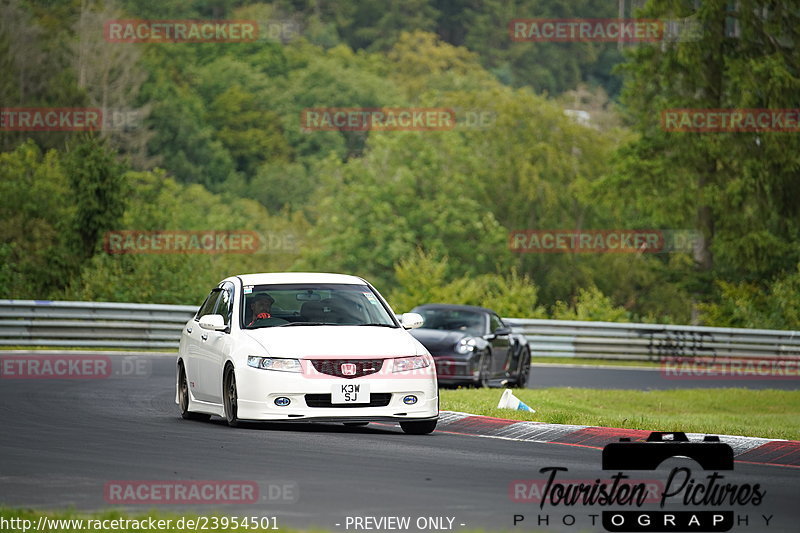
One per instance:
(409, 190)
(157, 203)
(732, 187)
(423, 279)
(110, 74)
(98, 190)
(36, 221)
(249, 131)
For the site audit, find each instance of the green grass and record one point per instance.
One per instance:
(753, 413)
(594, 362)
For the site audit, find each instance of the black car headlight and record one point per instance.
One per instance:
(466, 345)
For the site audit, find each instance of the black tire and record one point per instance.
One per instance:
(230, 397)
(483, 372)
(183, 398)
(418, 428)
(524, 369)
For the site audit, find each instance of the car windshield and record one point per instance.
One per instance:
(469, 322)
(313, 304)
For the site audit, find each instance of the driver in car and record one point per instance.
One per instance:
(261, 308)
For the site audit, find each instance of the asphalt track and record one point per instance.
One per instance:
(62, 441)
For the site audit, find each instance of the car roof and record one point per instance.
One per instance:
(268, 278)
(455, 307)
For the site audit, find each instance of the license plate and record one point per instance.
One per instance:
(350, 393)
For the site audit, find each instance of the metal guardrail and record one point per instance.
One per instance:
(653, 342)
(144, 326)
(91, 324)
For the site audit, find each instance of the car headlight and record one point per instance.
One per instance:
(404, 364)
(465, 345)
(274, 363)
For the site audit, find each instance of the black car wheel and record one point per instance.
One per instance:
(524, 369)
(183, 398)
(484, 372)
(230, 397)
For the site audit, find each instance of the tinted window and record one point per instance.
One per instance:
(318, 303)
(469, 322)
(210, 305)
(495, 323)
(224, 305)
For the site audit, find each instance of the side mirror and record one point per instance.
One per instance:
(213, 322)
(499, 332)
(411, 320)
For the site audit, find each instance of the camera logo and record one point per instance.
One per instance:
(710, 454)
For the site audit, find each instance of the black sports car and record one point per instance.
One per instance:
(472, 345)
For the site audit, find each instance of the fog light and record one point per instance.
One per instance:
(282, 401)
(410, 399)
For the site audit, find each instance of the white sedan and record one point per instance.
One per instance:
(304, 346)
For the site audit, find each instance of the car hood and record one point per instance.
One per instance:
(319, 342)
(438, 340)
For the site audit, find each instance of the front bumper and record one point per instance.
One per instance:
(456, 369)
(257, 390)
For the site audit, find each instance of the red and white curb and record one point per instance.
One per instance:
(745, 449)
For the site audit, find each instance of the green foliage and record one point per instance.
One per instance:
(98, 190)
(36, 223)
(423, 279)
(158, 203)
(732, 187)
(408, 189)
(750, 305)
(183, 140)
(424, 215)
(484, 29)
(590, 304)
(250, 133)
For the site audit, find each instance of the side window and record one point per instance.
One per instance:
(494, 323)
(209, 305)
(225, 304)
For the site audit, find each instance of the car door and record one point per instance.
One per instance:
(196, 365)
(216, 346)
(500, 346)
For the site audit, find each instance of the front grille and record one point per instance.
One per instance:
(333, 367)
(378, 399)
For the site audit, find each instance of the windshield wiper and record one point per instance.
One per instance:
(377, 324)
(306, 324)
